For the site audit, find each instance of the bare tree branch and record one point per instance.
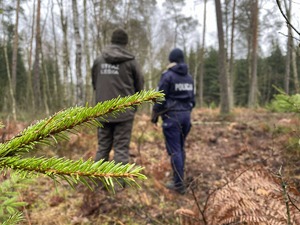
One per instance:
(286, 19)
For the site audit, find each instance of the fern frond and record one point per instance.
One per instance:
(254, 197)
(60, 124)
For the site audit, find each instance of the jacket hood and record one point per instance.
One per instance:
(116, 54)
(180, 68)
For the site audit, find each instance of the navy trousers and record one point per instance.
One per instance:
(176, 126)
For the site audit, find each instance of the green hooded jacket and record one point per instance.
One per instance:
(116, 73)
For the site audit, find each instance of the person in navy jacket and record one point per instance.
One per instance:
(178, 86)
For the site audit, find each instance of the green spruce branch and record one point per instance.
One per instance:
(14, 219)
(57, 127)
(283, 102)
(10, 203)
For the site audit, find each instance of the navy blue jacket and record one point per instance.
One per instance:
(178, 86)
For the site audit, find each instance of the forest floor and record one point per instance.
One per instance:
(216, 149)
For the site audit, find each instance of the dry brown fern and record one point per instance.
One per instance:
(187, 217)
(255, 196)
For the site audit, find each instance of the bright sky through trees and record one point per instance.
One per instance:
(269, 11)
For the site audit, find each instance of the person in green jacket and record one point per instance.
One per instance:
(116, 73)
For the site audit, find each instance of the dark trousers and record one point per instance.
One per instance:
(114, 135)
(176, 126)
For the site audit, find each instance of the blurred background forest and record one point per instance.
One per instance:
(48, 47)
(238, 51)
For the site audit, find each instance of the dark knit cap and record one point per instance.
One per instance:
(119, 36)
(176, 55)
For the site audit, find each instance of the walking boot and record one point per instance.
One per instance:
(180, 189)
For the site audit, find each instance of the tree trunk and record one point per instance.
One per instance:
(223, 76)
(291, 53)
(15, 50)
(36, 66)
(56, 77)
(12, 78)
(201, 72)
(45, 85)
(29, 94)
(288, 50)
(97, 17)
(126, 17)
(231, 64)
(226, 21)
(66, 60)
(88, 86)
(295, 68)
(11, 92)
(79, 91)
(253, 92)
